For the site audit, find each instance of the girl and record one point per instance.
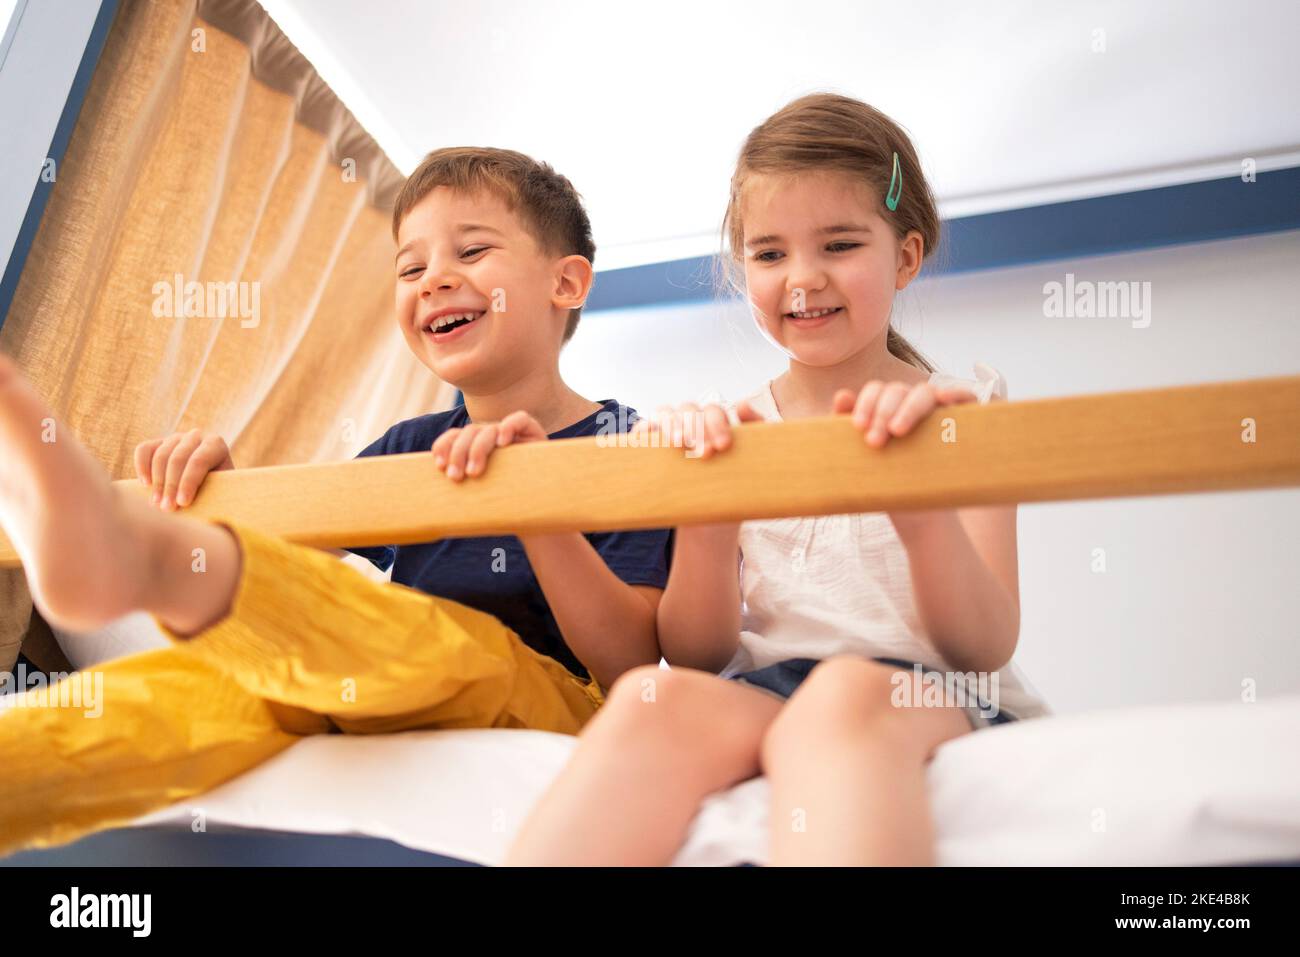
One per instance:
(829, 216)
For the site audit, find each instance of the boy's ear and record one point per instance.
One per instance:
(573, 279)
(911, 253)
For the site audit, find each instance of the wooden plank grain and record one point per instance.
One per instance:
(1217, 436)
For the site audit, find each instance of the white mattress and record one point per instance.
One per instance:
(1159, 785)
(1169, 785)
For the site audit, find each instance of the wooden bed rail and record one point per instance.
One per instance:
(1230, 435)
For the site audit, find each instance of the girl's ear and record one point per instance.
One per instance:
(573, 279)
(911, 252)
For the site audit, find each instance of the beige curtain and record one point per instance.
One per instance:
(211, 168)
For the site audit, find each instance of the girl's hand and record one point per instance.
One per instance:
(702, 431)
(177, 465)
(884, 409)
(463, 452)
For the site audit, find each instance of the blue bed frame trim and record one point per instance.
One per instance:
(172, 846)
(58, 147)
(1121, 222)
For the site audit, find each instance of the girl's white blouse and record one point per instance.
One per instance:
(840, 584)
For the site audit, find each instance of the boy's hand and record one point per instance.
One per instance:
(702, 431)
(177, 465)
(883, 409)
(463, 452)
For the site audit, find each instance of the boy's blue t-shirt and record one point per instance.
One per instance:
(492, 574)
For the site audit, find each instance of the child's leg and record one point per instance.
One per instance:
(289, 624)
(847, 769)
(89, 552)
(663, 741)
(115, 742)
(307, 630)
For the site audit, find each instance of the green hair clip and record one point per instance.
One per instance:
(896, 179)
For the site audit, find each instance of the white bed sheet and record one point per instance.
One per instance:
(1161, 785)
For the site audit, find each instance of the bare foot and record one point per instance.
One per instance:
(84, 563)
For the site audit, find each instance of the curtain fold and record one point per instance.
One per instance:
(215, 254)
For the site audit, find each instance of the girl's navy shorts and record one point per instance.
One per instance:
(782, 678)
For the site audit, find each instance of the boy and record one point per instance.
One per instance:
(493, 266)
(275, 641)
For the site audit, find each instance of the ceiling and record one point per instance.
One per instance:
(644, 106)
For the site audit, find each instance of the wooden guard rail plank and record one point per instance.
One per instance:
(1184, 439)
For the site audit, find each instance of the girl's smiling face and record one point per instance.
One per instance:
(821, 264)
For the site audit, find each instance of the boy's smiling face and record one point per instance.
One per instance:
(467, 256)
(821, 263)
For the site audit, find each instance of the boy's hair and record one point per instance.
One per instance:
(550, 208)
(826, 131)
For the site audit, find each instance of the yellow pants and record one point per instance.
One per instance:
(310, 646)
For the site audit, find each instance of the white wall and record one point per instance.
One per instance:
(1201, 591)
(1011, 104)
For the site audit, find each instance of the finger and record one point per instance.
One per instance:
(480, 448)
(176, 463)
(891, 397)
(916, 405)
(718, 427)
(843, 401)
(158, 465)
(690, 432)
(458, 454)
(144, 460)
(509, 427)
(954, 395)
(517, 426)
(747, 413)
(209, 457)
(866, 404)
(441, 447)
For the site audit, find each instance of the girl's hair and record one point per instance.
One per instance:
(825, 131)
